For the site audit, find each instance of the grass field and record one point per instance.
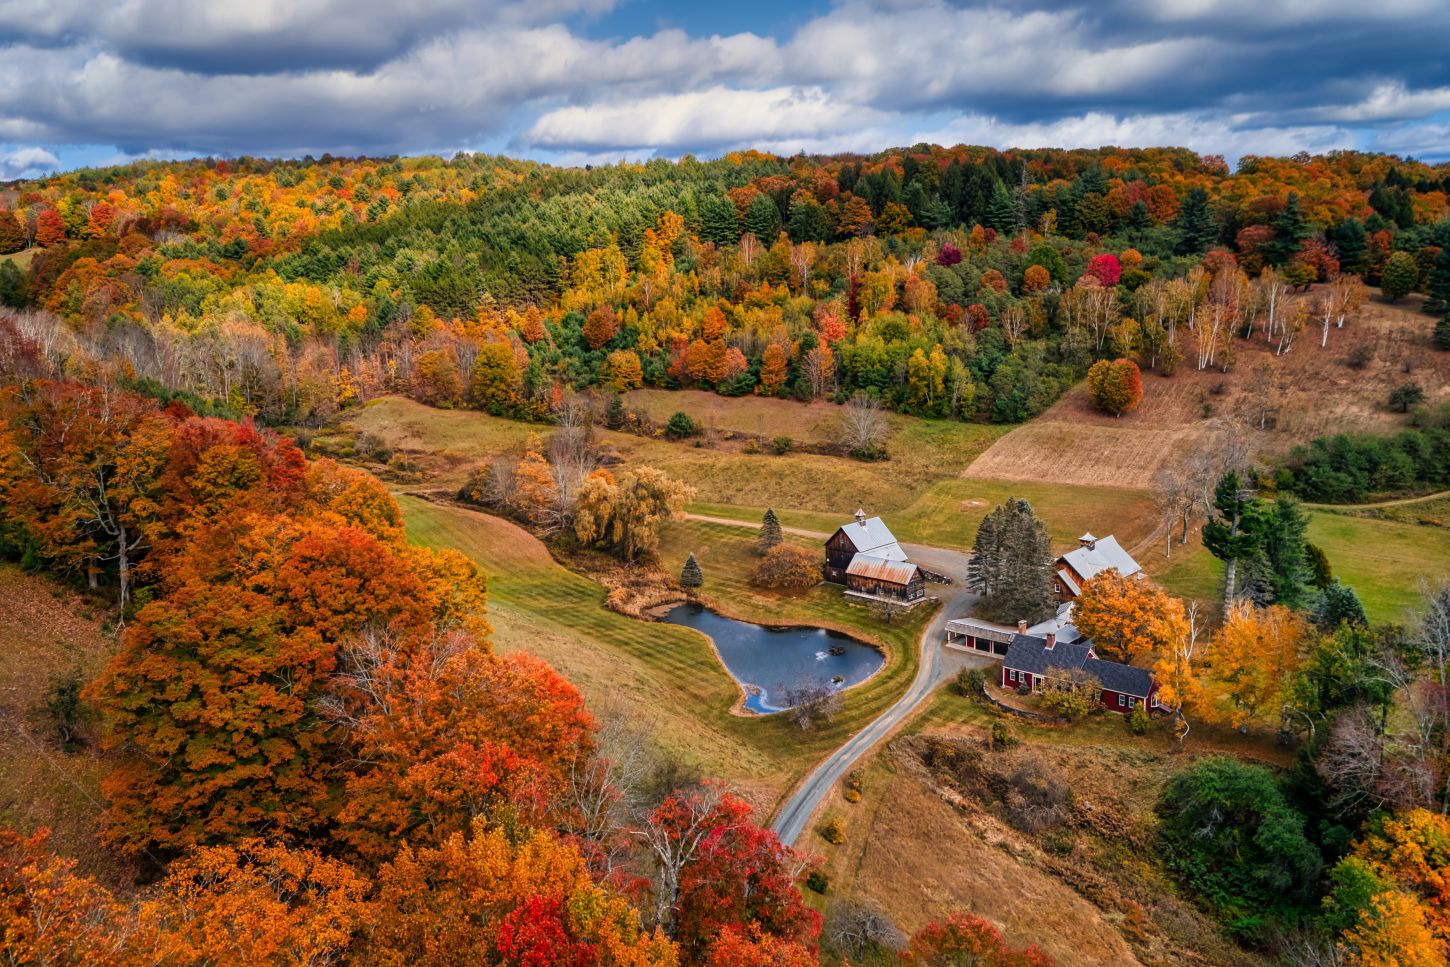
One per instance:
(1387, 562)
(21, 259)
(665, 676)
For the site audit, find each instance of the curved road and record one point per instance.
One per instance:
(936, 666)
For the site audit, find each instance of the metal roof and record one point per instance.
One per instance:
(981, 629)
(871, 536)
(881, 569)
(1106, 553)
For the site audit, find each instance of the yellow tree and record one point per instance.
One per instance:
(1251, 664)
(624, 370)
(535, 492)
(1128, 620)
(1175, 671)
(1392, 933)
(773, 369)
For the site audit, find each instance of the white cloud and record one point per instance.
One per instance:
(715, 117)
(27, 162)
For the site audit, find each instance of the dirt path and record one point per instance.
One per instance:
(1398, 502)
(731, 522)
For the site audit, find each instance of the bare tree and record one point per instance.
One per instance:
(810, 703)
(1175, 497)
(856, 927)
(604, 791)
(864, 427)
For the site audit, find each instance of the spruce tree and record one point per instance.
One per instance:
(762, 219)
(1337, 605)
(808, 222)
(1285, 548)
(1195, 224)
(1348, 240)
(614, 414)
(770, 534)
(1001, 210)
(691, 575)
(1290, 229)
(1012, 564)
(719, 221)
(1437, 287)
(1442, 332)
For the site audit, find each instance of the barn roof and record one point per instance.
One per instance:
(1106, 552)
(1061, 623)
(870, 535)
(881, 569)
(1029, 653)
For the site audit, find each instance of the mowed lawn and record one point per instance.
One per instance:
(666, 677)
(1388, 563)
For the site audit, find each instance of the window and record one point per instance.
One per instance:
(1122, 701)
(1056, 587)
(1155, 701)
(1013, 674)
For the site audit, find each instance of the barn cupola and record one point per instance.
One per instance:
(860, 515)
(1088, 540)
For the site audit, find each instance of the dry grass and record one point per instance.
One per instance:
(1074, 443)
(45, 631)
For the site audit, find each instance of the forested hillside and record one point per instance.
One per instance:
(964, 282)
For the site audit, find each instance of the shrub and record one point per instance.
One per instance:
(681, 426)
(782, 445)
(1360, 356)
(817, 881)
(786, 567)
(855, 779)
(851, 795)
(1139, 720)
(60, 714)
(969, 682)
(1001, 735)
(833, 831)
(1073, 694)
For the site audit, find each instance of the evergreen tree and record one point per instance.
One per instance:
(1092, 214)
(1321, 574)
(1290, 229)
(1442, 332)
(1338, 604)
(1196, 228)
(614, 414)
(770, 534)
(1001, 210)
(1348, 240)
(1012, 564)
(1139, 218)
(1437, 287)
(690, 575)
(1285, 549)
(1232, 532)
(719, 222)
(762, 219)
(808, 222)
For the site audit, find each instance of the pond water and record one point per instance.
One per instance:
(768, 661)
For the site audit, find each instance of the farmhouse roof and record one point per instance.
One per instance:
(871, 536)
(1029, 653)
(881, 569)
(1106, 552)
(1061, 623)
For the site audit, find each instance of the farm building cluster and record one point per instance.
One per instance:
(1030, 655)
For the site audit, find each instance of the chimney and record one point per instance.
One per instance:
(1022, 626)
(860, 516)
(1051, 639)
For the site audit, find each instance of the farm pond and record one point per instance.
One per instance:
(768, 662)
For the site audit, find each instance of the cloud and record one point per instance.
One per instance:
(30, 162)
(383, 76)
(714, 118)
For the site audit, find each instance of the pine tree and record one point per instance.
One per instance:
(1285, 548)
(719, 221)
(1001, 210)
(1196, 228)
(770, 534)
(1012, 564)
(808, 222)
(1339, 604)
(1348, 240)
(1437, 288)
(1290, 229)
(690, 575)
(762, 219)
(1231, 533)
(1442, 332)
(614, 413)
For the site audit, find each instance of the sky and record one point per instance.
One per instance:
(94, 82)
